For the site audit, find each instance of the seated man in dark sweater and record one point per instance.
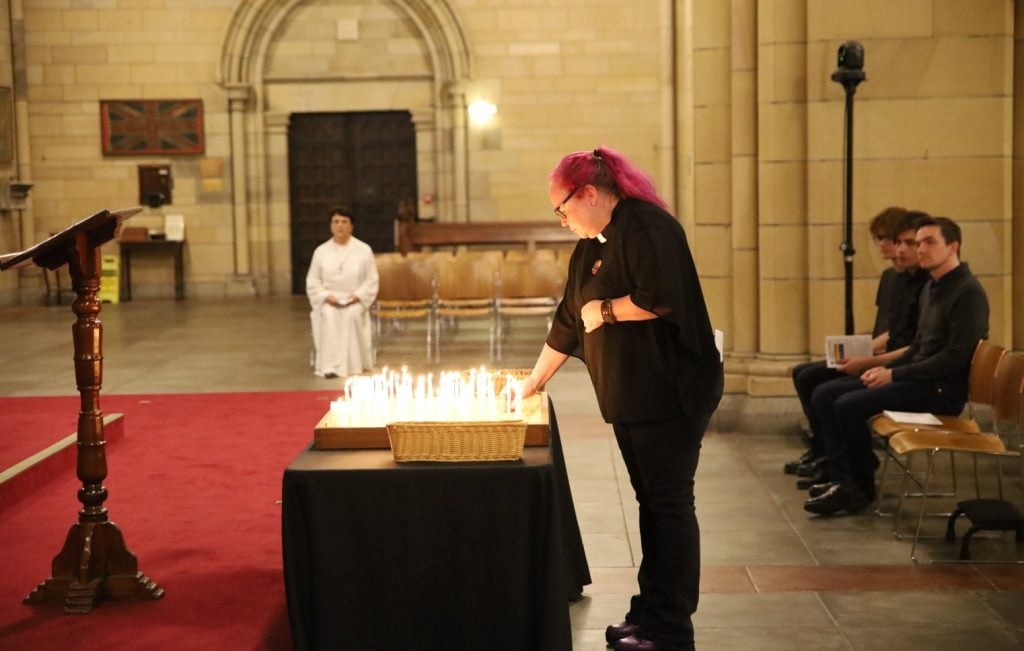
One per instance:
(930, 376)
(895, 230)
(903, 321)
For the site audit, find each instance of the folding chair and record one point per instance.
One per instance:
(1008, 395)
(980, 385)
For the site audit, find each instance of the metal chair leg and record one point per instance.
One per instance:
(924, 497)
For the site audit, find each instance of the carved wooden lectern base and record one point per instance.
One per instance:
(94, 563)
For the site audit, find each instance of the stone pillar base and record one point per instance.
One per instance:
(760, 398)
(239, 287)
(758, 415)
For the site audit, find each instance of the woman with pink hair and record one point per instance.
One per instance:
(633, 311)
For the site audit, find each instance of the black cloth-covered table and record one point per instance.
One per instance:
(426, 556)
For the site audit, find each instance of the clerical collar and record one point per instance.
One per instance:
(609, 230)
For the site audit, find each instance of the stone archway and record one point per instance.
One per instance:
(257, 133)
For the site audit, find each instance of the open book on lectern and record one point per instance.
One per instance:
(51, 252)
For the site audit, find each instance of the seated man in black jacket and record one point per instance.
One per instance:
(895, 230)
(930, 376)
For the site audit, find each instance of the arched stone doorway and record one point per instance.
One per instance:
(281, 58)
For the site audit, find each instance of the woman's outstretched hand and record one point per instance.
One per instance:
(528, 386)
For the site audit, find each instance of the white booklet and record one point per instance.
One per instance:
(838, 348)
(912, 417)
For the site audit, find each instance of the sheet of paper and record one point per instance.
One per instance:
(838, 348)
(912, 417)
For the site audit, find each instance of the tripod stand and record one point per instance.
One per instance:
(849, 74)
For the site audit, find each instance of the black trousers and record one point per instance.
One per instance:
(843, 408)
(661, 457)
(806, 378)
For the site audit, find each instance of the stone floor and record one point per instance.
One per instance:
(773, 577)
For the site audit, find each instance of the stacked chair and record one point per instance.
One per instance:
(465, 290)
(406, 293)
(442, 289)
(526, 288)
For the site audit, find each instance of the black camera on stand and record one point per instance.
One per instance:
(850, 62)
(849, 74)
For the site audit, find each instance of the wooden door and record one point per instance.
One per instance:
(365, 160)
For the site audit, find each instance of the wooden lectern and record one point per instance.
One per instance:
(95, 563)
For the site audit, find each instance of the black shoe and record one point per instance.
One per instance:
(635, 643)
(330, 376)
(820, 489)
(839, 497)
(807, 457)
(810, 469)
(616, 632)
(821, 477)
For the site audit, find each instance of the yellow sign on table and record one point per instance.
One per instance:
(110, 279)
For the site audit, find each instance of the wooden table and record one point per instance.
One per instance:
(177, 250)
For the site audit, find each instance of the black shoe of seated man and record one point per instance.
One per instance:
(812, 468)
(616, 632)
(820, 489)
(330, 376)
(807, 457)
(635, 643)
(840, 497)
(804, 483)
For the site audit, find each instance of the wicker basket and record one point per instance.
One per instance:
(453, 441)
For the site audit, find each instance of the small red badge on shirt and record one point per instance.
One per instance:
(595, 268)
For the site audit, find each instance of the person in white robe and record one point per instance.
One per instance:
(342, 285)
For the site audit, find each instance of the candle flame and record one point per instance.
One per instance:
(390, 396)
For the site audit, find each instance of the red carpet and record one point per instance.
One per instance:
(193, 487)
(27, 425)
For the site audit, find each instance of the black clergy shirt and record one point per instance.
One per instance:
(642, 370)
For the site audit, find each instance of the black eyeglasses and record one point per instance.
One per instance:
(560, 211)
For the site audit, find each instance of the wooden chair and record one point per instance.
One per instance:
(1008, 421)
(526, 289)
(980, 385)
(406, 293)
(979, 391)
(525, 255)
(562, 255)
(465, 289)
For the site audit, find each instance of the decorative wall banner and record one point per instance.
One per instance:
(147, 127)
(6, 125)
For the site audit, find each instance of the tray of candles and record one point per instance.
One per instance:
(469, 414)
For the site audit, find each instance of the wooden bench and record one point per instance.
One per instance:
(412, 236)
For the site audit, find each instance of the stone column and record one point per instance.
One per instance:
(427, 177)
(460, 168)
(1017, 282)
(667, 95)
(239, 99)
(782, 196)
(22, 138)
(712, 214)
(278, 202)
(743, 79)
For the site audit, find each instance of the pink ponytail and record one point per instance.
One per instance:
(606, 168)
